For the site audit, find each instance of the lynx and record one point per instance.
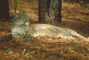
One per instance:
(22, 28)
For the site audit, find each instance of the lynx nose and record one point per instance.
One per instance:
(26, 23)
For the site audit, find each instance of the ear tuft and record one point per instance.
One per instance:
(23, 11)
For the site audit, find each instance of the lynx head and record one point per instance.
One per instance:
(20, 19)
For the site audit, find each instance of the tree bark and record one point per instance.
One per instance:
(4, 9)
(50, 11)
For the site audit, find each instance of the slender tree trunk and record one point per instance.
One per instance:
(4, 9)
(50, 11)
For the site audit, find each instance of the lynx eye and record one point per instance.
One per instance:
(23, 20)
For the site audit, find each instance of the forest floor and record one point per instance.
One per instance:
(74, 16)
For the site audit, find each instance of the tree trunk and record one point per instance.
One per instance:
(4, 9)
(50, 11)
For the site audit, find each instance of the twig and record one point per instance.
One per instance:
(23, 52)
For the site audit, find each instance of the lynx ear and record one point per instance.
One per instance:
(23, 12)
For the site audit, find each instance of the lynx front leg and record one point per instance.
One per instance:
(27, 38)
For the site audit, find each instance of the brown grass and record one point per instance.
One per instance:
(74, 16)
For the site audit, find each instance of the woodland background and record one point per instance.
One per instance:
(75, 15)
